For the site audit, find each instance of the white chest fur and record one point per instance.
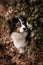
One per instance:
(19, 40)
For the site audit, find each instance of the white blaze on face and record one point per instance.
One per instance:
(22, 26)
(20, 21)
(27, 24)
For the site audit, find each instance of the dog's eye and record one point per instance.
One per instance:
(18, 24)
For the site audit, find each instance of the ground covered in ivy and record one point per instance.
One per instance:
(33, 10)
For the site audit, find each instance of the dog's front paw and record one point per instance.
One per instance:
(21, 51)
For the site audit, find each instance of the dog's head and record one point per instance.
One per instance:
(18, 24)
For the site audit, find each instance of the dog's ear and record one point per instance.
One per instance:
(12, 23)
(9, 25)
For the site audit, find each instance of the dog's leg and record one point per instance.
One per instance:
(21, 50)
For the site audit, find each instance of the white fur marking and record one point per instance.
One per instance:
(21, 28)
(20, 21)
(19, 40)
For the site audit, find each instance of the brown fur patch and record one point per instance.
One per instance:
(17, 30)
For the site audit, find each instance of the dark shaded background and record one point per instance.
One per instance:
(33, 10)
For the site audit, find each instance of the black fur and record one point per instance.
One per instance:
(12, 24)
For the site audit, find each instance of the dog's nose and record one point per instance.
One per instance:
(24, 29)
